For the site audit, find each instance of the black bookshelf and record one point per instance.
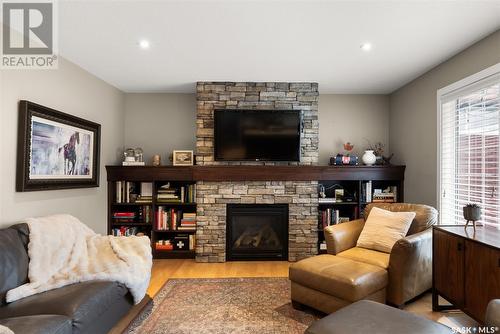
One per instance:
(150, 226)
(355, 191)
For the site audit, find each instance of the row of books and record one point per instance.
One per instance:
(179, 242)
(125, 231)
(182, 194)
(331, 217)
(132, 192)
(366, 192)
(174, 220)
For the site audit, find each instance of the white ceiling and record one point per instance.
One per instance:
(268, 41)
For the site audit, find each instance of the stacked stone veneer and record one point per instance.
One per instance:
(256, 95)
(212, 197)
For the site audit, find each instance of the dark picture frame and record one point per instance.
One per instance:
(63, 154)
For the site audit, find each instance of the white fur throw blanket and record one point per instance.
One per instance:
(5, 330)
(63, 251)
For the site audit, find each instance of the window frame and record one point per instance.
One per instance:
(442, 92)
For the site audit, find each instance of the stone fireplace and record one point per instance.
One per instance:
(213, 197)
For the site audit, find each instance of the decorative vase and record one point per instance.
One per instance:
(369, 158)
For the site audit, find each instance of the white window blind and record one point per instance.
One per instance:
(470, 151)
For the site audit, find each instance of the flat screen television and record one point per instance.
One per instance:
(257, 135)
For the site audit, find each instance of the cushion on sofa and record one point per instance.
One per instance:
(339, 277)
(369, 256)
(370, 317)
(13, 258)
(39, 324)
(383, 228)
(84, 303)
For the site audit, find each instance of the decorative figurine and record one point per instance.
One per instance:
(156, 160)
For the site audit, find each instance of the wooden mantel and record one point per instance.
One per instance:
(254, 173)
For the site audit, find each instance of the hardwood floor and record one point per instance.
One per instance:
(166, 269)
(163, 270)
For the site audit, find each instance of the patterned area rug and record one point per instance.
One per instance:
(228, 305)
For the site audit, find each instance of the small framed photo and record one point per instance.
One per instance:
(183, 158)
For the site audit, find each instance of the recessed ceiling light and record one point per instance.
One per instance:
(144, 44)
(366, 47)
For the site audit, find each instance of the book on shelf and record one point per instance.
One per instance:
(366, 192)
(133, 163)
(124, 217)
(327, 200)
(192, 241)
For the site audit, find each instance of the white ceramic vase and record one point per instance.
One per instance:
(369, 158)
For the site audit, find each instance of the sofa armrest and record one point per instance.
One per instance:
(343, 236)
(493, 313)
(410, 267)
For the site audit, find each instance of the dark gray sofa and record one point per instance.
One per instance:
(89, 307)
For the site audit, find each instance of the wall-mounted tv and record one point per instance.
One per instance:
(257, 135)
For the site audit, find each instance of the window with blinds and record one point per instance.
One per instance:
(470, 151)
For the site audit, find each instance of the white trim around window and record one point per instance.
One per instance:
(490, 75)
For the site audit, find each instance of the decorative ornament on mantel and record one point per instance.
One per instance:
(369, 158)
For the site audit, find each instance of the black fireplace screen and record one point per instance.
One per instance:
(257, 232)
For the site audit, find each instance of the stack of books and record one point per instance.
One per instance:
(168, 195)
(146, 195)
(388, 195)
(188, 222)
(327, 200)
(124, 217)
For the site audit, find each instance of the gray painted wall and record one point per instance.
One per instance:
(160, 123)
(413, 116)
(351, 118)
(72, 90)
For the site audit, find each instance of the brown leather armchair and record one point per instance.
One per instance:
(409, 265)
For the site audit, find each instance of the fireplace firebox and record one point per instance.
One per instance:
(257, 232)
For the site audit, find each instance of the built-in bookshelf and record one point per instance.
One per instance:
(164, 210)
(133, 192)
(344, 200)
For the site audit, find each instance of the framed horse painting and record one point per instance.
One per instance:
(55, 150)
